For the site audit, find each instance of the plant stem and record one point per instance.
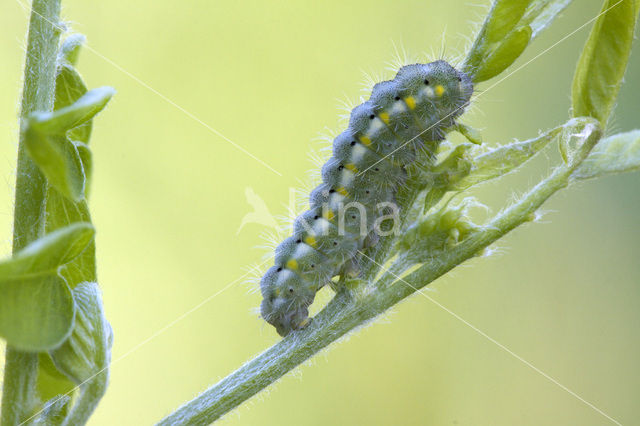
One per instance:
(351, 309)
(21, 368)
(87, 401)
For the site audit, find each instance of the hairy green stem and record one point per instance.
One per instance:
(351, 309)
(20, 372)
(87, 401)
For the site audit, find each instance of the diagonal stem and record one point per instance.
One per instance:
(351, 309)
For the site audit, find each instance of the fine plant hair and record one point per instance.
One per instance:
(51, 313)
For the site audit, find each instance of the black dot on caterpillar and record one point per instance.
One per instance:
(403, 120)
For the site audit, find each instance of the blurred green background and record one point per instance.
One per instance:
(168, 197)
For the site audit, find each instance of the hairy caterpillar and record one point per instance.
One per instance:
(402, 122)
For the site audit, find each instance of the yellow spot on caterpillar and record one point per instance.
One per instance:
(277, 292)
(342, 191)
(292, 264)
(410, 101)
(365, 140)
(384, 117)
(439, 90)
(310, 240)
(352, 167)
(328, 214)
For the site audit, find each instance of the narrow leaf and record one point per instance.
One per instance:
(506, 54)
(508, 29)
(503, 18)
(614, 154)
(602, 64)
(82, 110)
(502, 160)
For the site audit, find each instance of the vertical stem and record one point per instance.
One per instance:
(37, 95)
(21, 368)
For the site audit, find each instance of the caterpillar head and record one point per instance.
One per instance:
(438, 83)
(284, 319)
(286, 299)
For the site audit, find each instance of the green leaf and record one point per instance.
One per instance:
(46, 254)
(62, 212)
(507, 30)
(503, 18)
(458, 172)
(437, 232)
(502, 160)
(86, 157)
(81, 111)
(87, 350)
(471, 134)
(614, 154)
(69, 88)
(47, 142)
(443, 175)
(36, 312)
(70, 48)
(599, 73)
(504, 55)
(51, 382)
(58, 159)
(36, 306)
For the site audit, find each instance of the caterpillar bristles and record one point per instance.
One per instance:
(253, 274)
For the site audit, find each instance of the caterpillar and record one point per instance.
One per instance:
(403, 121)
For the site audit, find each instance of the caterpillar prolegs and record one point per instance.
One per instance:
(404, 118)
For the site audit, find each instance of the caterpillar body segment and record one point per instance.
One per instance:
(402, 122)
